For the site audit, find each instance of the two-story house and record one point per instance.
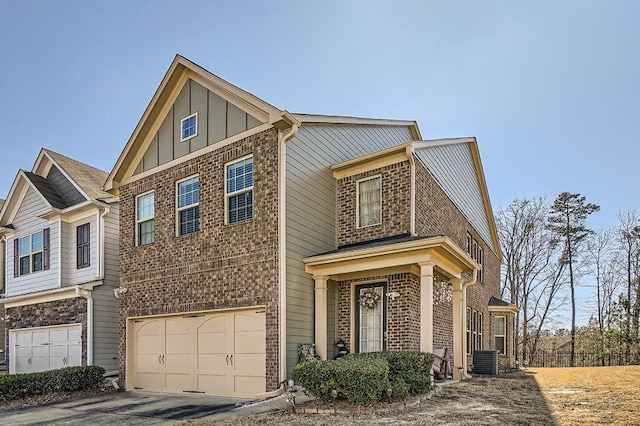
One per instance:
(59, 233)
(247, 230)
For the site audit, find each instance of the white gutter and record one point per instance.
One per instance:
(464, 321)
(282, 243)
(101, 244)
(412, 168)
(87, 295)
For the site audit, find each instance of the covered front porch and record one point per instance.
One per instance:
(405, 293)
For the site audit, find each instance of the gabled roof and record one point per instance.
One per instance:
(87, 178)
(177, 75)
(499, 305)
(440, 157)
(53, 198)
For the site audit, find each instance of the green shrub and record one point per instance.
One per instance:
(363, 378)
(358, 380)
(16, 386)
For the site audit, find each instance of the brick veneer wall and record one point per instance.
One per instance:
(442, 320)
(58, 312)
(396, 205)
(220, 266)
(437, 215)
(403, 313)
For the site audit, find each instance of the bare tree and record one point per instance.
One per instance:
(531, 273)
(601, 262)
(629, 238)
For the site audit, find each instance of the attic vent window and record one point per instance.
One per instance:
(189, 127)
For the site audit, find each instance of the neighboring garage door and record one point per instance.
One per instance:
(46, 348)
(216, 353)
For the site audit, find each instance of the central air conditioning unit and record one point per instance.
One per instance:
(486, 362)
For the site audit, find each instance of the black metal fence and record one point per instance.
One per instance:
(581, 359)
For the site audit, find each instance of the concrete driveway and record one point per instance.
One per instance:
(136, 408)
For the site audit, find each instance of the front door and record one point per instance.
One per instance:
(371, 321)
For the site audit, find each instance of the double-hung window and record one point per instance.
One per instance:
(83, 257)
(239, 190)
(31, 253)
(369, 199)
(500, 335)
(189, 205)
(469, 330)
(145, 219)
(189, 127)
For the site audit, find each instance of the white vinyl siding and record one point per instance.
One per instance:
(25, 223)
(311, 208)
(453, 169)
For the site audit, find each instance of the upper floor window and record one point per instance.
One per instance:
(189, 205)
(31, 253)
(369, 197)
(477, 253)
(189, 127)
(239, 190)
(145, 218)
(83, 257)
(500, 335)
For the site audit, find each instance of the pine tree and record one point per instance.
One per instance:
(569, 213)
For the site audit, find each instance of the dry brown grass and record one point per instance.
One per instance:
(541, 396)
(591, 396)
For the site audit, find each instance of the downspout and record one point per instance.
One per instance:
(474, 279)
(282, 243)
(87, 295)
(59, 252)
(100, 248)
(412, 209)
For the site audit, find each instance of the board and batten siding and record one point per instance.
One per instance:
(217, 119)
(452, 167)
(25, 223)
(311, 209)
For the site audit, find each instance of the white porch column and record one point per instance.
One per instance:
(426, 306)
(321, 315)
(459, 330)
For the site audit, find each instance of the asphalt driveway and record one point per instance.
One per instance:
(135, 408)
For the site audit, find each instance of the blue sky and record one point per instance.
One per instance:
(549, 88)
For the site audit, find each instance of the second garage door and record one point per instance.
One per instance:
(216, 353)
(46, 348)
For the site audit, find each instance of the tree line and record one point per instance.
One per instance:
(548, 251)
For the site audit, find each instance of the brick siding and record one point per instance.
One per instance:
(58, 312)
(220, 266)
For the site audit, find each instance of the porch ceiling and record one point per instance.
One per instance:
(408, 255)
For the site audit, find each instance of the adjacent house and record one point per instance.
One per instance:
(59, 234)
(247, 230)
(2, 280)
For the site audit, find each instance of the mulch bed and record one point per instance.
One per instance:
(50, 398)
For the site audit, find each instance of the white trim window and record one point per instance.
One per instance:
(238, 176)
(369, 201)
(480, 326)
(468, 331)
(145, 219)
(31, 253)
(188, 205)
(189, 127)
(500, 334)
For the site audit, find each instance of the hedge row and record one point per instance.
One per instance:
(16, 386)
(364, 378)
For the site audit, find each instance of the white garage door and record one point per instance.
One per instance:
(217, 354)
(46, 348)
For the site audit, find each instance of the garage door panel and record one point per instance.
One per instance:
(250, 342)
(40, 351)
(248, 386)
(179, 382)
(57, 351)
(245, 322)
(205, 353)
(147, 381)
(75, 334)
(40, 336)
(249, 362)
(58, 336)
(214, 384)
